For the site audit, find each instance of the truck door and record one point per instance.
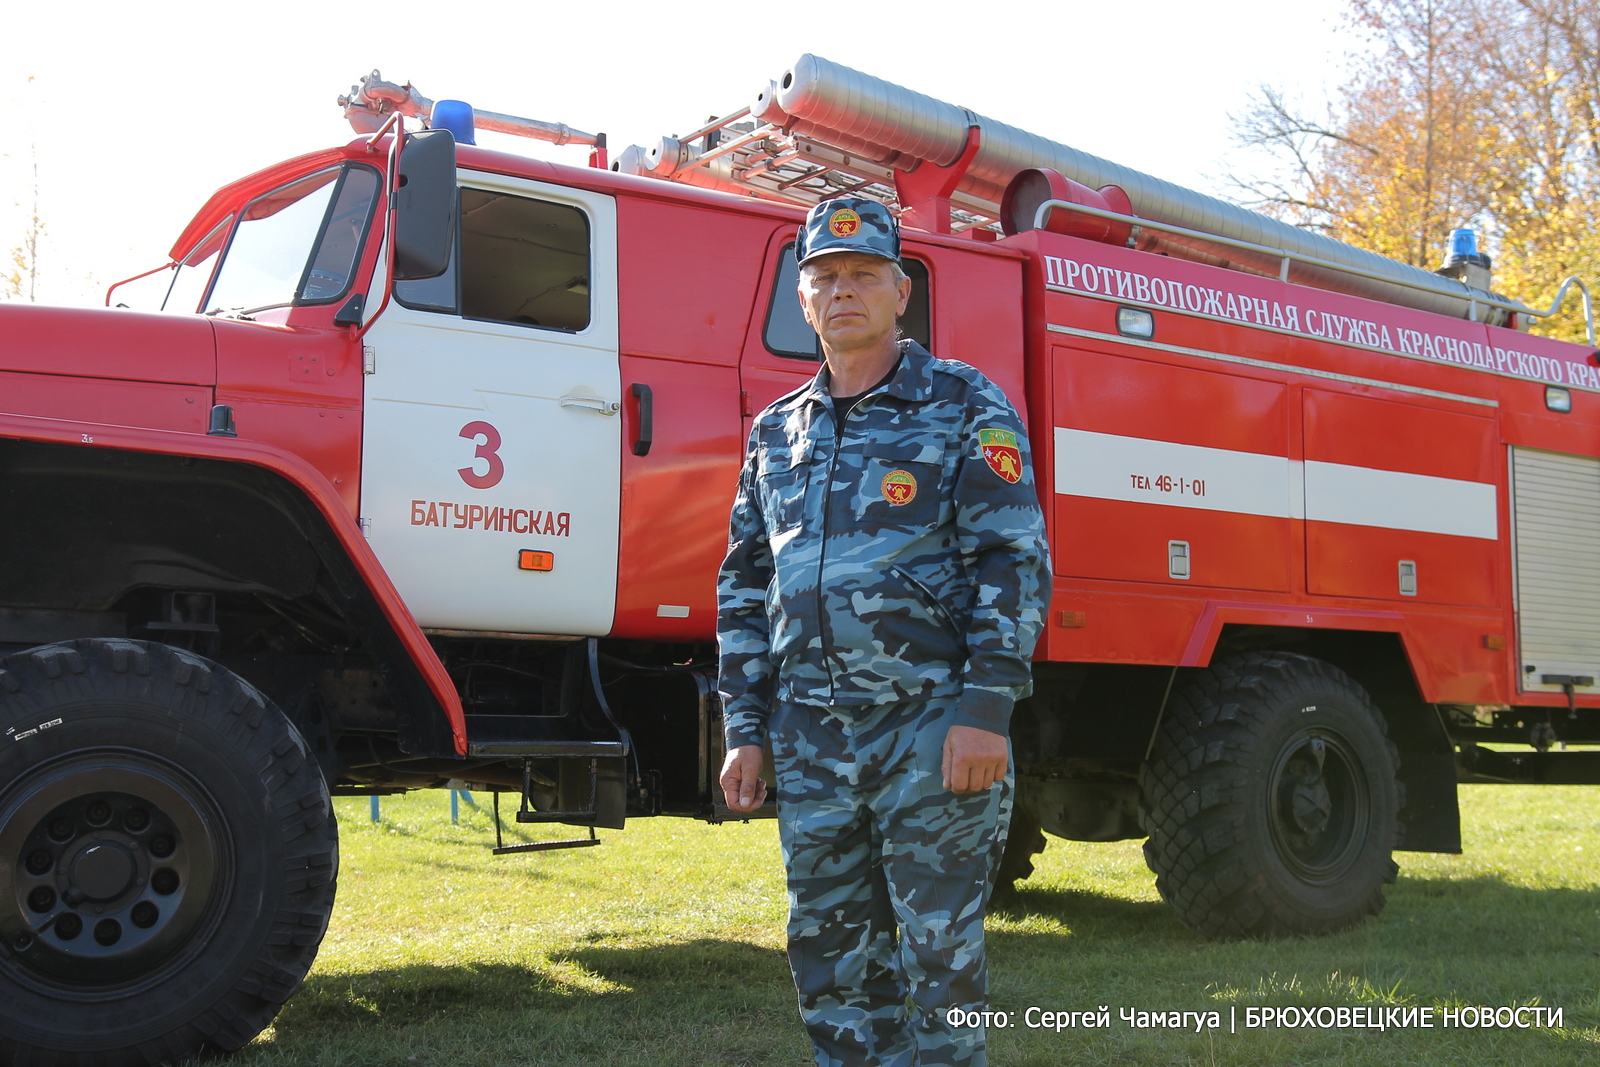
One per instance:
(1170, 474)
(491, 437)
(1401, 501)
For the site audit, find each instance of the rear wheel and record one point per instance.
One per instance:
(167, 856)
(1271, 800)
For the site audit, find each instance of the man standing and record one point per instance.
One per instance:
(886, 580)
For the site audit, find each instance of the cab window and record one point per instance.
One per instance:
(518, 260)
(788, 334)
(298, 244)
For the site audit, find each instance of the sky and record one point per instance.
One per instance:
(132, 113)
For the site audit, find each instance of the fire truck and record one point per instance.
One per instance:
(416, 474)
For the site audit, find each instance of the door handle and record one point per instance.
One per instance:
(644, 429)
(592, 403)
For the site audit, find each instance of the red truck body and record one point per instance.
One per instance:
(696, 271)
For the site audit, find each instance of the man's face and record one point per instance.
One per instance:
(851, 300)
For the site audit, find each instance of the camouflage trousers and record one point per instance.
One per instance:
(889, 876)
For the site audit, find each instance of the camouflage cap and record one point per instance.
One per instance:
(848, 224)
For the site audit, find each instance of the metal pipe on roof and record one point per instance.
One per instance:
(839, 105)
(670, 159)
(766, 109)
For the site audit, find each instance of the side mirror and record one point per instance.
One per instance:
(426, 206)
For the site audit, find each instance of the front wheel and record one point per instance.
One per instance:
(1272, 800)
(167, 856)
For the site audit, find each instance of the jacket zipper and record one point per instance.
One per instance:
(824, 630)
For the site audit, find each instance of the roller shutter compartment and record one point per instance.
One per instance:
(1556, 498)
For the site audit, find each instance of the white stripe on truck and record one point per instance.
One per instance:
(1141, 470)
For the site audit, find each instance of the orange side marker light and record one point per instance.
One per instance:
(530, 560)
(1072, 620)
(1494, 642)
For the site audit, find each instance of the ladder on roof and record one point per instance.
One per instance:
(742, 154)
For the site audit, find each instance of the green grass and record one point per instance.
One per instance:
(664, 947)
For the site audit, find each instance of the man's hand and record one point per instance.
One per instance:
(974, 759)
(742, 787)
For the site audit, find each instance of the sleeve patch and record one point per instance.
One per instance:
(1001, 453)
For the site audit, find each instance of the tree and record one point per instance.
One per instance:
(1464, 112)
(23, 280)
(1545, 194)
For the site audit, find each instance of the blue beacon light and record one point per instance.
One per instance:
(455, 116)
(1463, 244)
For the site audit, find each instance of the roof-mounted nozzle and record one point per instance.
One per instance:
(1464, 262)
(371, 103)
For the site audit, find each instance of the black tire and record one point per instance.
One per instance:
(1024, 841)
(167, 856)
(1271, 800)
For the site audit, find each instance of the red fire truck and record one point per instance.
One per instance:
(417, 475)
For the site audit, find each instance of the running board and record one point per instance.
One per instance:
(546, 846)
(526, 813)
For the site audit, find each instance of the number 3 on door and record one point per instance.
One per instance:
(487, 450)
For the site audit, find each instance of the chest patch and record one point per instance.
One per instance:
(1001, 453)
(899, 487)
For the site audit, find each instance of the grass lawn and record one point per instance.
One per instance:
(664, 947)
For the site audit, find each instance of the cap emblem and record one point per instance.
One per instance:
(844, 223)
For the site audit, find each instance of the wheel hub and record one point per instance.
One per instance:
(1318, 805)
(103, 871)
(1312, 807)
(111, 864)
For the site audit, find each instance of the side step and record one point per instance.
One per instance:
(595, 751)
(545, 846)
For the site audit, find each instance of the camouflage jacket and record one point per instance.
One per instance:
(909, 562)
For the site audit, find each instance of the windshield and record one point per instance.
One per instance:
(297, 244)
(189, 283)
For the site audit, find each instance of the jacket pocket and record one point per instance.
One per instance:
(897, 487)
(781, 477)
(930, 603)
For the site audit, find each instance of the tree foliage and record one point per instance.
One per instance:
(20, 280)
(19, 274)
(1462, 112)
